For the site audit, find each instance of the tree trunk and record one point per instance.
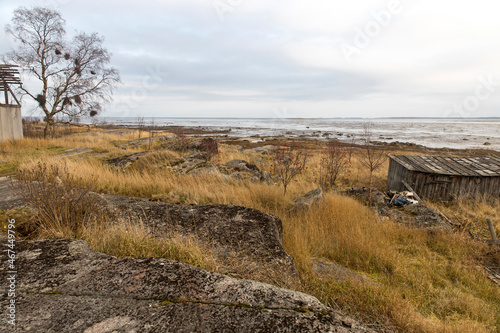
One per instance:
(49, 123)
(370, 189)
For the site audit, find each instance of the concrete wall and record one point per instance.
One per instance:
(11, 125)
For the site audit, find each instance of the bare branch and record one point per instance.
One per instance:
(73, 75)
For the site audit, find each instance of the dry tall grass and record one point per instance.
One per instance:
(423, 282)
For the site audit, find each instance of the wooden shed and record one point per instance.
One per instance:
(445, 178)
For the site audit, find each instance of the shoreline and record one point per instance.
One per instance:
(227, 136)
(431, 133)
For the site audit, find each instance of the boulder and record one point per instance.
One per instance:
(125, 161)
(265, 177)
(203, 144)
(63, 286)
(328, 270)
(205, 169)
(309, 199)
(243, 166)
(264, 150)
(378, 198)
(191, 163)
(419, 216)
(237, 176)
(9, 198)
(248, 235)
(254, 179)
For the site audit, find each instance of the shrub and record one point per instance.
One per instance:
(334, 161)
(181, 141)
(289, 160)
(61, 210)
(209, 148)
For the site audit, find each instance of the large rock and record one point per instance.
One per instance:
(419, 216)
(251, 237)
(378, 198)
(232, 231)
(266, 177)
(311, 198)
(125, 161)
(63, 286)
(204, 145)
(326, 269)
(9, 198)
(239, 170)
(243, 166)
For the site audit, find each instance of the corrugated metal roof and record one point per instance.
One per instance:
(485, 166)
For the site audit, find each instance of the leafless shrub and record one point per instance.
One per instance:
(289, 161)
(152, 132)
(372, 157)
(181, 141)
(209, 148)
(334, 161)
(141, 123)
(61, 210)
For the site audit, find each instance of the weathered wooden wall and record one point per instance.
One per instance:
(11, 125)
(397, 173)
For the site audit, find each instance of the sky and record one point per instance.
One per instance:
(294, 58)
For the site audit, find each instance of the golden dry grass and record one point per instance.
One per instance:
(423, 282)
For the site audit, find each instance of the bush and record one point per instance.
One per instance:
(209, 148)
(61, 210)
(289, 160)
(334, 161)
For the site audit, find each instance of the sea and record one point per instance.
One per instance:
(430, 132)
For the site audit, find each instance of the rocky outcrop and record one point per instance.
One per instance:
(239, 170)
(231, 231)
(306, 201)
(328, 270)
(251, 237)
(148, 140)
(204, 144)
(63, 286)
(378, 198)
(242, 166)
(125, 161)
(9, 197)
(419, 216)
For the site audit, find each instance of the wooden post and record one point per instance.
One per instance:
(492, 230)
(6, 97)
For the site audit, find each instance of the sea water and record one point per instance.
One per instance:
(434, 133)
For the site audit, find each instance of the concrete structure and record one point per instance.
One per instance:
(11, 123)
(11, 126)
(445, 178)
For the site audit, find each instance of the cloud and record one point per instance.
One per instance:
(419, 60)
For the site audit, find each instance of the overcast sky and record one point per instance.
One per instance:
(294, 58)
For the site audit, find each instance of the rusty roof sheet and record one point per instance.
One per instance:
(485, 166)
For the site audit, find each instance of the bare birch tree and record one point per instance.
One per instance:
(72, 76)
